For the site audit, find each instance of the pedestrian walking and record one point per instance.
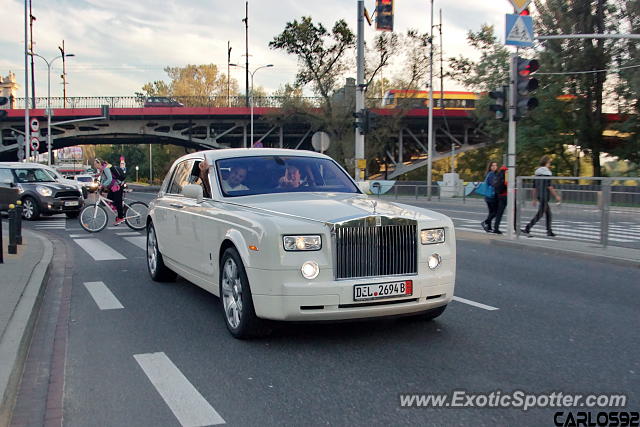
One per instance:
(542, 191)
(500, 187)
(490, 195)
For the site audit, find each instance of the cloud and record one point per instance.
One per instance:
(120, 45)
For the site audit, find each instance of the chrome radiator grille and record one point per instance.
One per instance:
(366, 251)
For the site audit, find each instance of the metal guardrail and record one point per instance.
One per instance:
(187, 101)
(601, 210)
(605, 211)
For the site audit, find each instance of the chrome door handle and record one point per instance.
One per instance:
(176, 206)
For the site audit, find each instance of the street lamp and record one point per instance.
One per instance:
(137, 173)
(49, 63)
(251, 96)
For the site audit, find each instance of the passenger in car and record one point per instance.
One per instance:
(235, 179)
(291, 179)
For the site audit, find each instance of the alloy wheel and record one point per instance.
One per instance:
(232, 293)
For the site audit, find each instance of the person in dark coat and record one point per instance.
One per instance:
(542, 192)
(500, 186)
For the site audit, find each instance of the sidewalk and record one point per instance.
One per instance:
(21, 279)
(612, 254)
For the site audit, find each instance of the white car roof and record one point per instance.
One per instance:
(227, 153)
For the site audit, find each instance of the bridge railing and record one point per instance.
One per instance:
(187, 101)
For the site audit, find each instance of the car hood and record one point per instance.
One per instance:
(333, 208)
(52, 185)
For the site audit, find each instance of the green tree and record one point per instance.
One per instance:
(571, 56)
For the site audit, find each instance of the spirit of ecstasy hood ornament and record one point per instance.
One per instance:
(374, 203)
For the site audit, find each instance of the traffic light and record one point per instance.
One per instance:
(500, 107)
(525, 84)
(366, 121)
(384, 15)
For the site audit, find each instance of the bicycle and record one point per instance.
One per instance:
(94, 217)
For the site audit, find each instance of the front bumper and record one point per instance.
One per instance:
(285, 295)
(51, 205)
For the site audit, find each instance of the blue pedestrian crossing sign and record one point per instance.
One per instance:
(519, 30)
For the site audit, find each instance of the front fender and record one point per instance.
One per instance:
(240, 243)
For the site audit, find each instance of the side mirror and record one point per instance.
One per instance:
(193, 191)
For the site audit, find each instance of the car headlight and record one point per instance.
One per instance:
(302, 243)
(44, 191)
(432, 236)
(434, 261)
(310, 270)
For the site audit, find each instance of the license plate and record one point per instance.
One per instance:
(382, 290)
(72, 203)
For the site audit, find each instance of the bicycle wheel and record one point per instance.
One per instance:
(93, 218)
(135, 215)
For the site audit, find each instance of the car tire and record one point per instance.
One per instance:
(236, 299)
(72, 215)
(158, 271)
(30, 209)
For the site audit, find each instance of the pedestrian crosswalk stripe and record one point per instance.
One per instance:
(99, 250)
(103, 297)
(184, 400)
(139, 241)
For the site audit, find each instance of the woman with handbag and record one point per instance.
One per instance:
(486, 188)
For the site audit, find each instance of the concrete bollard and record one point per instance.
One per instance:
(19, 222)
(13, 247)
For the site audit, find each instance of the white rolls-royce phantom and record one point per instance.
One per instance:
(287, 235)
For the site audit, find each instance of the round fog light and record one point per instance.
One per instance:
(434, 261)
(310, 270)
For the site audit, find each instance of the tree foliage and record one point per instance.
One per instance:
(194, 85)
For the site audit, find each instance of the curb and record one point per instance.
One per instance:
(495, 240)
(15, 342)
(624, 262)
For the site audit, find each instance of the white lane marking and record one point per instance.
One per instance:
(99, 251)
(475, 304)
(139, 241)
(128, 233)
(186, 403)
(473, 230)
(103, 297)
(75, 236)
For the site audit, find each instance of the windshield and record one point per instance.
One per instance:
(32, 175)
(52, 174)
(242, 176)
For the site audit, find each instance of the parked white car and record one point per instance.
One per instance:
(287, 235)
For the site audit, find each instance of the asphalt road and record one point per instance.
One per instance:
(162, 355)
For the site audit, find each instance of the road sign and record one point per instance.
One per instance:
(35, 125)
(520, 5)
(35, 143)
(320, 141)
(519, 31)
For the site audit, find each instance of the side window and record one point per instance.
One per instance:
(6, 177)
(180, 177)
(195, 178)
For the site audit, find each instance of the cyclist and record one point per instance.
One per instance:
(112, 186)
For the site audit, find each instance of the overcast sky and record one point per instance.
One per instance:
(122, 44)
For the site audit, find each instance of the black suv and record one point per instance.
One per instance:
(40, 194)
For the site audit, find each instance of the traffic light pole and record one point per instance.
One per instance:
(511, 148)
(359, 139)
